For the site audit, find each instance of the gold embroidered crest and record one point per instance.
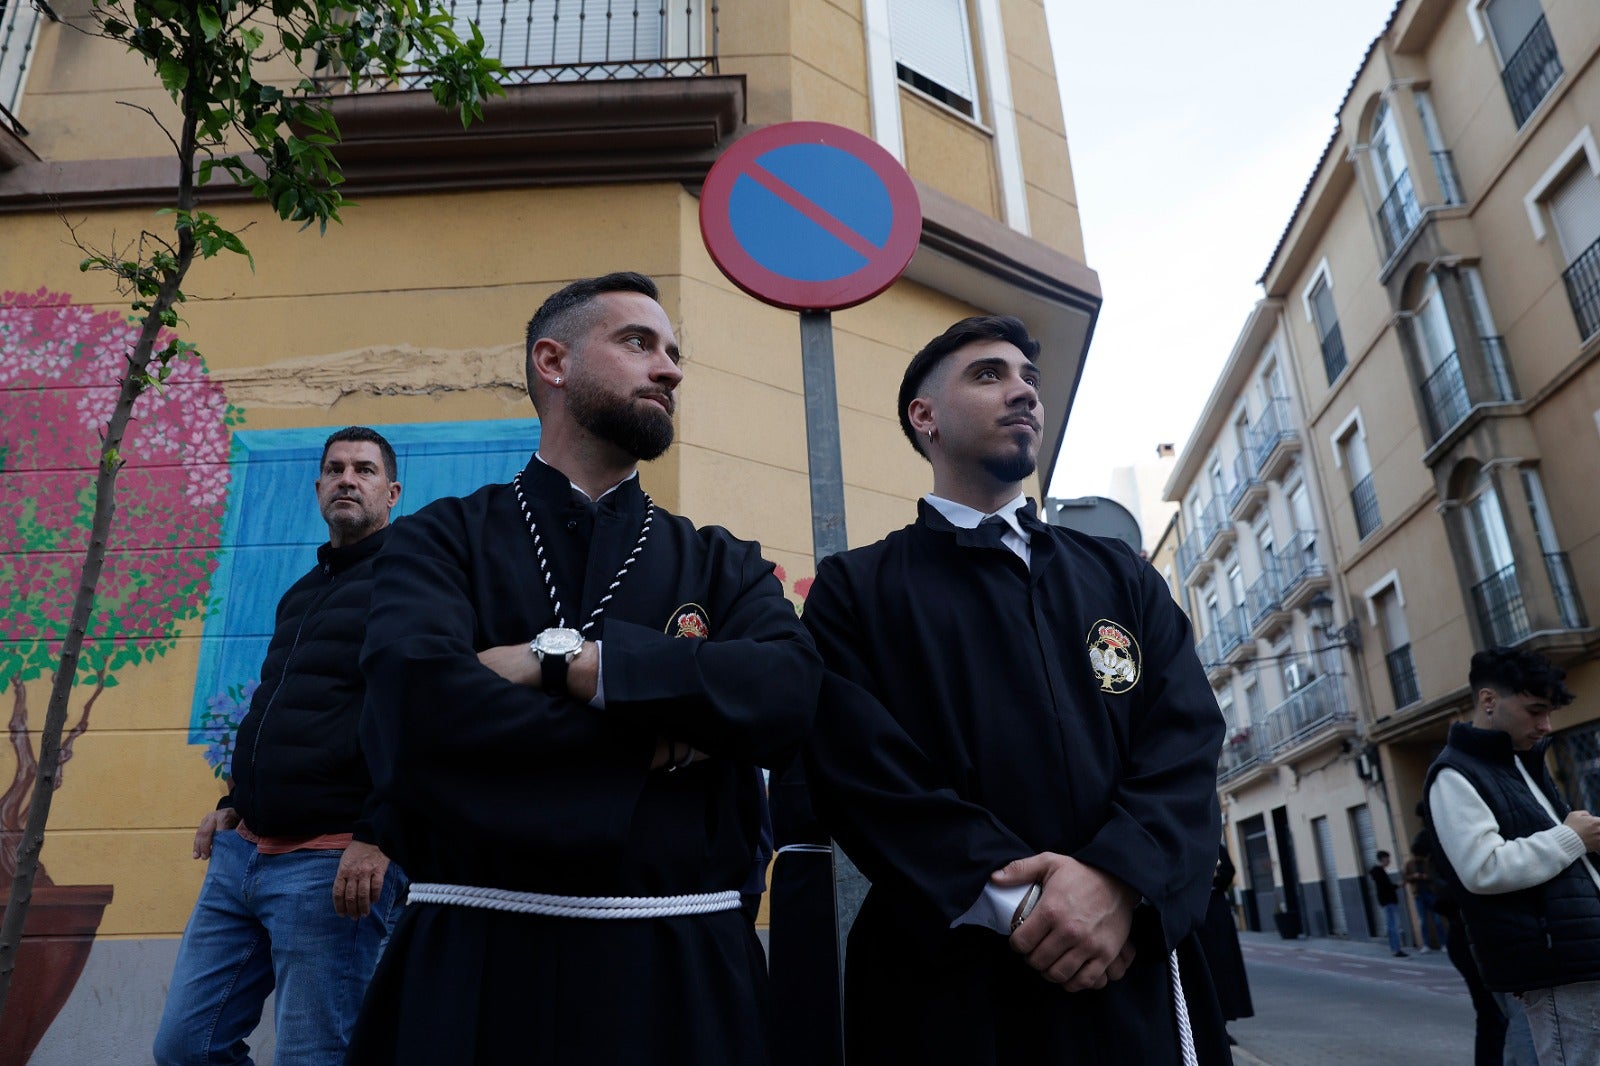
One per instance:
(1114, 654)
(690, 620)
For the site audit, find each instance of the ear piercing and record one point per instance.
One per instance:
(558, 381)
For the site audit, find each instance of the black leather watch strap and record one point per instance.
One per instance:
(553, 674)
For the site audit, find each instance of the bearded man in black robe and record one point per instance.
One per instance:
(569, 690)
(1017, 745)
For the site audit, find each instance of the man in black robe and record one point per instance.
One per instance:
(1016, 743)
(577, 813)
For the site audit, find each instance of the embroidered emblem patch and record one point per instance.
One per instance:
(1114, 654)
(689, 621)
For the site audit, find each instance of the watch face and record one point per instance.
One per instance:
(559, 641)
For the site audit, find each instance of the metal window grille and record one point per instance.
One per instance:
(1494, 354)
(1444, 166)
(1402, 677)
(1333, 355)
(1399, 213)
(1444, 394)
(1531, 72)
(1565, 588)
(1364, 498)
(1501, 611)
(1583, 290)
(1577, 757)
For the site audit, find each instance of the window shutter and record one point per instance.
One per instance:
(931, 37)
(1511, 21)
(1575, 209)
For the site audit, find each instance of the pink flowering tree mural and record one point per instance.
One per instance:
(60, 371)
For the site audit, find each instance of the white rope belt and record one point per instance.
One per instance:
(500, 899)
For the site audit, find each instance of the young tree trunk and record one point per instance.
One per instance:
(47, 767)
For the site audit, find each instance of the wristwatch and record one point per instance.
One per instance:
(555, 649)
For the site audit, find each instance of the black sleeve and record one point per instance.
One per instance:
(875, 789)
(1161, 838)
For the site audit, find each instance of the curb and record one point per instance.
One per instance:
(1241, 1057)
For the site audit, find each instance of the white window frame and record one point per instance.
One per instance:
(1534, 200)
(1352, 424)
(1374, 590)
(1324, 275)
(25, 40)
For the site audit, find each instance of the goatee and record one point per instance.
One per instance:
(642, 430)
(1010, 468)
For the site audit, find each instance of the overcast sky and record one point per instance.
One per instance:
(1193, 129)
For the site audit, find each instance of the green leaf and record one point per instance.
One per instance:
(210, 22)
(174, 76)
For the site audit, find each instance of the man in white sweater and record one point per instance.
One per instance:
(1519, 856)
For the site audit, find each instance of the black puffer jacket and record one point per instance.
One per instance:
(298, 770)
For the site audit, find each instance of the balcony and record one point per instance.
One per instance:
(1235, 639)
(1264, 600)
(1216, 529)
(1494, 356)
(1209, 650)
(1583, 290)
(1444, 394)
(1565, 588)
(1502, 614)
(1333, 357)
(1273, 439)
(1399, 214)
(1247, 489)
(1364, 499)
(1188, 558)
(1531, 72)
(1304, 575)
(1444, 167)
(1402, 677)
(1315, 710)
(1239, 756)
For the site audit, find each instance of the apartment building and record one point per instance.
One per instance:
(1255, 570)
(408, 317)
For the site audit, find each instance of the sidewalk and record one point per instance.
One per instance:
(1367, 947)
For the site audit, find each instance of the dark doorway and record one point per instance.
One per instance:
(1289, 868)
(1259, 896)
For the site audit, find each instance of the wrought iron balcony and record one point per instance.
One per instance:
(1234, 633)
(1565, 588)
(1246, 485)
(1399, 213)
(1494, 356)
(1444, 394)
(1583, 290)
(1216, 528)
(1402, 677)
(1444, 166)
(1209, 650)
(1272, 435)
(1312, 709)
(1239, 755)
(1502, 614)
(1303, 570)
(1264, 598)
(1333, 357)
(1531, 72)
(541, 41)
(1188, 556)
(1364, 498)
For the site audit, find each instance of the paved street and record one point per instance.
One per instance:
(1328, 1002)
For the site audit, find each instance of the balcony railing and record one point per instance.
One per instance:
(1364, 498)
(1531, 72)
(1239, 755)
(1565, 588)
(1333, 357)
(1309, 710)
(1209, 650)
(1494, 355)
(1299, 562)
(1188, 556)
(1271, 429)
(1444, 166)
(1583, 290)
(1402, 677)
(1214, 523)
(1264, 597)
(1445, 396)
(1234, 632)
(1244, 480)
(1399, 214)
(540, 41)
(1501, 612)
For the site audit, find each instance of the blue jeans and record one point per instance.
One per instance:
(1565, 1021)
(265, 921)
(1429, 924)
(1391, 914)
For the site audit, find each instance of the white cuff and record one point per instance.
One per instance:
(994, 908)
(599, 701)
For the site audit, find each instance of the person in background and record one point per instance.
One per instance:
(1389, 899)
(1219, 938)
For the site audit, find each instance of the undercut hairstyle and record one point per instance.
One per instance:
(361, 434)
(925, 363)
(568, 313)
(1382, 855)
(1517, 672)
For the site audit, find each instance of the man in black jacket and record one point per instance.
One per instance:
(297, 897)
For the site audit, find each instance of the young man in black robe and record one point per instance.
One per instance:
(577, 813)
(1016, 743)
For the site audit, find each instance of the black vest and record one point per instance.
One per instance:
(1538, 937)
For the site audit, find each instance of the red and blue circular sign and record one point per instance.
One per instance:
(810, 216)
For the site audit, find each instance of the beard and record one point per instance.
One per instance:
(642, 430)
(1011, 467)
(354, 524)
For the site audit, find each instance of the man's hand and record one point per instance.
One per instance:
(1077, 934)
(666, 749)
(518, 665)
(1586, 826)
(210, 825)
(360, 879)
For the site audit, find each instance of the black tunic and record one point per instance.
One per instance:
(1219, 936)
(964, 724)
(491, 784)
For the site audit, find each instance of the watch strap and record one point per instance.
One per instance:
(553, 673)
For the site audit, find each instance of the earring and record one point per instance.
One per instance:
(930, 434)
(558, 381)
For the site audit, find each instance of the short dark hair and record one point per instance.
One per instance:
(1517, 671)
(1382, 855)
(564, 316)
(362, 434)
(924, 363)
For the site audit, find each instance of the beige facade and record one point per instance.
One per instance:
(1436, 305)
(408, 317)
